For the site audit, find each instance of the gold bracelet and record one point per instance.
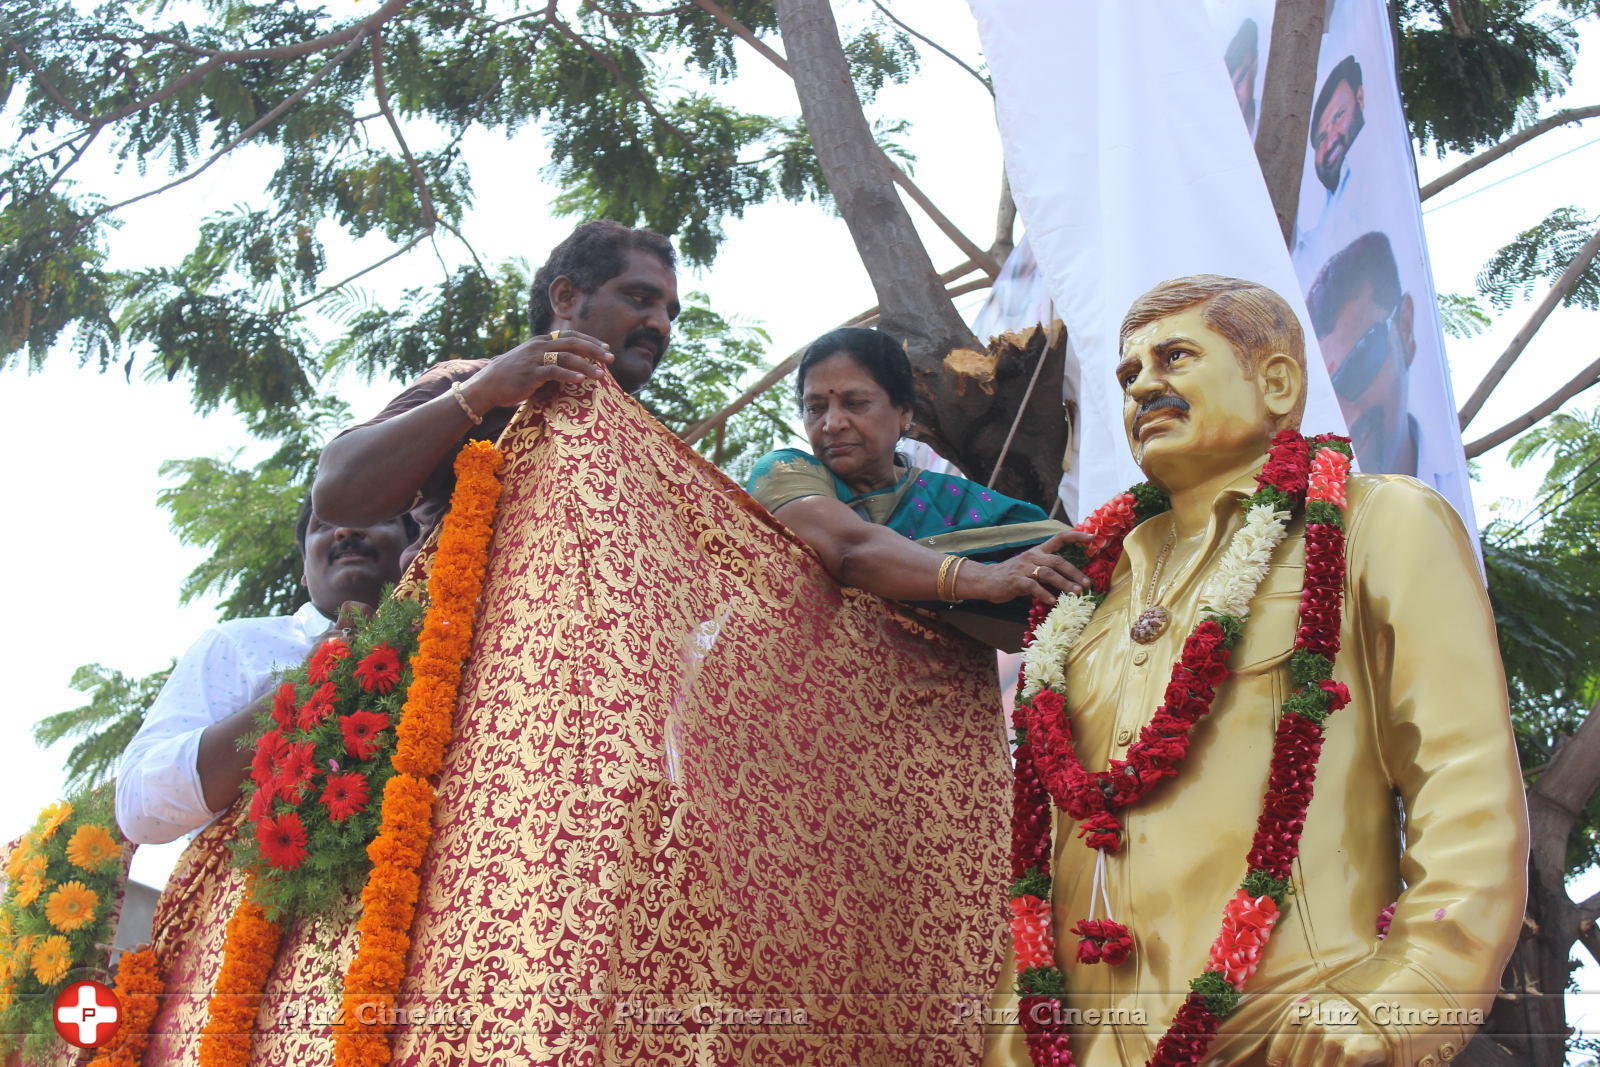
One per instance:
(955, 576)
(455, 391)
(944, 569)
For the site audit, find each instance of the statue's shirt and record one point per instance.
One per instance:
(1427, 723)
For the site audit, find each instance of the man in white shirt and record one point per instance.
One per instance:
(184, 766)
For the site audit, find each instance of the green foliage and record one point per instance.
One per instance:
(1537, 256)
(336, 863)
(618, 90)
(117, 705)
(1461, 316)
(1464, 92)
(470, 315)
(245, 515)
(1543, 570)
(710, 358)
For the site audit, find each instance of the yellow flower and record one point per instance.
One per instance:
(71, 906)
(92, 847)
(8, 931)
(52, 959)
(51, 818)
(29, 888)
(19, 858)
(7, 998)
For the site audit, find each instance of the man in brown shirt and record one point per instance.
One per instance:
(604, 300)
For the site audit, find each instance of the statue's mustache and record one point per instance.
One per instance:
(1159, 403)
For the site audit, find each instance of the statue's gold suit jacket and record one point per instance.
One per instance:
(1418, 799)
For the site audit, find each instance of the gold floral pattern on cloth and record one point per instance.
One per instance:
(702, 807)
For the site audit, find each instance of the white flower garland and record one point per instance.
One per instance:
(1245, 565)
(1239, 574)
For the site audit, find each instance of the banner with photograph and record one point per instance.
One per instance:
(1361, 256)
(1130, 166)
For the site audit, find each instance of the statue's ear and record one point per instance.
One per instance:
(1283, 383)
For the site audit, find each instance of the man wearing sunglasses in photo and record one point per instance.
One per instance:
(1365, 324)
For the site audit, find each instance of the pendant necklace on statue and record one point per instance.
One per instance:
(1153, 620)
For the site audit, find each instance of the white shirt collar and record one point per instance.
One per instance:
(312, 621)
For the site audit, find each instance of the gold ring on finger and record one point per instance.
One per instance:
(555, 334)
(550, 358)
(1034, 573)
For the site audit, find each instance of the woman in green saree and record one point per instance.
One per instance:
(936, 540)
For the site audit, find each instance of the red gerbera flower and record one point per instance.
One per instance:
(294, 769)
(380, 670)
(282, 840)
(268, 751)
(360, 730)
(261, 800)
(325, 658)
(345, 795)
(283, 704)
(317, 708)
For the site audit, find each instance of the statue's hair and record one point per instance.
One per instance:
(1256, 321)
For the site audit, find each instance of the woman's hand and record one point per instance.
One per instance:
(1037, 573)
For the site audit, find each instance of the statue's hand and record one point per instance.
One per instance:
(1327, 1032)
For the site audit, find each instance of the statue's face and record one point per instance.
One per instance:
(1189, 409)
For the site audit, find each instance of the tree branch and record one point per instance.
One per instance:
(1558, 794)
(939, 219)
(1558, 292)
(319, 294)
(1585, 379)
(1590, 909)
(621, 79)
(1589, 937)
(786, 368)
(1005, 221)
(741, 31)
(254, 128)
(94, 131)
(628, 16)
(1286, 103)
(948, 228)
(381, 91)
(935, 45)
(353, 34)
(49, 86)
(1507, 146)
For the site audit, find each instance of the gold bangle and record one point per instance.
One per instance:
(955, 576)
(944, 570)
(455, 391)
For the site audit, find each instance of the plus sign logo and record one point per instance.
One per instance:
(87, 1014)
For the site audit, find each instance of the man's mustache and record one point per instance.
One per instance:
(1166, 401)
(351, 546)
(646, 337)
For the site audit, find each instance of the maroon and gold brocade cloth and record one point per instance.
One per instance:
(702, 807)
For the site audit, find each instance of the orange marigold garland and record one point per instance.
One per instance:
(139, 991)
(389, 900)
(249, 950)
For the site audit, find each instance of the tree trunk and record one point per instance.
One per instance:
(966, 399)
(1286, 100)
(1529, 1019)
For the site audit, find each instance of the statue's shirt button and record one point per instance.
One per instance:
(1140, 657)
(1124, 735)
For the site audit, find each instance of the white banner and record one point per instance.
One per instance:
(1130, 166)
(1362, 259)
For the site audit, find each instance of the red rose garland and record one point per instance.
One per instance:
(1047, 765)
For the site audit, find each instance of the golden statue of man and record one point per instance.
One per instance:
(1418, 799)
